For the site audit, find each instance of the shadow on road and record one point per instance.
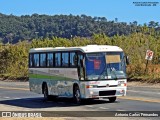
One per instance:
(40, 103)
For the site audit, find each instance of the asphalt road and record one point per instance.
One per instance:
(15, 96)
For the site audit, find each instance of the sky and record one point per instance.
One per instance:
(124, 10)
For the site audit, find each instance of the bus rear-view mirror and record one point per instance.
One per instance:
(127, 60)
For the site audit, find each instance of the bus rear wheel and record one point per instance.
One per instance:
(77, 95)
(112, 99)
(45, 92)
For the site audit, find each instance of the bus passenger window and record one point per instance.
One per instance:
(57, 59)
(73, 59)
(65, 59)
(31, 60)
(36, 60)
(43, 60)
(50, 60)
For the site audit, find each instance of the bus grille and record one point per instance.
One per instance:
(106, 86)
(113, 85)
(107, 93)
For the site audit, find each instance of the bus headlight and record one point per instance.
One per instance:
(91, 92)
(91, 86)
(122, 91)
(122, 83)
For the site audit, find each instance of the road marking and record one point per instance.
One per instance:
(17, 98)
(120, 110)
(89, 106)
(103, 108)
(140, 99)
(143, 92)
(6, 97)
(8, 88)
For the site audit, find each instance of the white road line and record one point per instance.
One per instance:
(103, 108)
(143, 92)
(17, 98)
(120, 110)
(7, 97)
(89, 106)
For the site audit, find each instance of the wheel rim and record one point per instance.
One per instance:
(77, 95)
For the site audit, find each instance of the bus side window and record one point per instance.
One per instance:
(57, 59)
(30, 60)
(43, 60)
(80, 58)
(50, 60)
(36, 60)
(65, 59)
(73, 59)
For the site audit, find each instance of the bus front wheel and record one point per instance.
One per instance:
(112, 99)
(77, 95)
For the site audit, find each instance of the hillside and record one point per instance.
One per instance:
(27, 27)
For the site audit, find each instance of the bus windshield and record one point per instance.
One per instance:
(105, 66)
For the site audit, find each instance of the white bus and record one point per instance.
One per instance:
(92, 71)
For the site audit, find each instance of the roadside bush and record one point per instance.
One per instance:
(14, 58)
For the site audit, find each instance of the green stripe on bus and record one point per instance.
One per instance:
(38, 76)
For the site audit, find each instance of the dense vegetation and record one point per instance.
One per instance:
(26, 27)
(14, 58)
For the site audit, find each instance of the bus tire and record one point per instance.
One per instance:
(45, 92)
(77, 95)
(112, 99)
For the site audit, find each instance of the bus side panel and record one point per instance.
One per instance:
(71, 77)
(36, 78)
(34, 83)
(62, 80)
(59, 80)
(82, 86)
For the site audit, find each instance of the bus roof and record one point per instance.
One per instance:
(84, 49)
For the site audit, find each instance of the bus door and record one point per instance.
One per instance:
(81, 74)
(81, 71)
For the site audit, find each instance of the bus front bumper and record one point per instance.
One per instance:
(103, 92)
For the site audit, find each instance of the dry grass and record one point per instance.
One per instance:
(140, 73)
(141, 84)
